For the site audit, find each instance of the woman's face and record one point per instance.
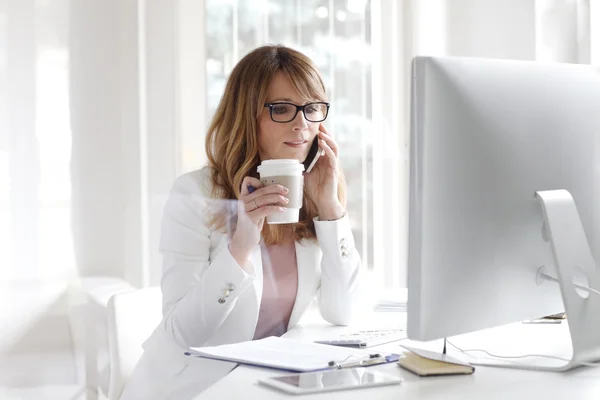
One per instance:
(289, 140)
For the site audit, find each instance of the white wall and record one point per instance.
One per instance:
(104, 163)
(23, 146)
(191, 82)
(126, 141)
(491, 28)
(595, 32)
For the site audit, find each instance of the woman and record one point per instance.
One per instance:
(231, 277)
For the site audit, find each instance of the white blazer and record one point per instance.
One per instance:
(198, 268)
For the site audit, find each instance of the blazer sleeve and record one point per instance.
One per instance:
(340, 293)
(193, 283)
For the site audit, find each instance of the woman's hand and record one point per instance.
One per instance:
(256, 202)
(322, 182)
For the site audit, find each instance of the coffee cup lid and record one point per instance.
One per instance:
(285, 163)
(281, 161)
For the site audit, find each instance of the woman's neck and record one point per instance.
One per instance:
(288, 237)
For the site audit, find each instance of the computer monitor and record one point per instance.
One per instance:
(486, 135)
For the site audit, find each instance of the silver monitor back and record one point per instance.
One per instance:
(485, 136)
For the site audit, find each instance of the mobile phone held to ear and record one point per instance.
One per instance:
(313, 155)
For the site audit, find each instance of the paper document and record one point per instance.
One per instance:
(281, 353)
(392, 301)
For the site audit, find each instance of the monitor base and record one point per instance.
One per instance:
(576, 270)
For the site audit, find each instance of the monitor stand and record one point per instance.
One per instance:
(576, 271)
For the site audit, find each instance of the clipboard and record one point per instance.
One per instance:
(292, 355)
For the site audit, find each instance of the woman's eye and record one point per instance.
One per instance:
(280, 110)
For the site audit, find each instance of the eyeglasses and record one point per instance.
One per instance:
(283, 112)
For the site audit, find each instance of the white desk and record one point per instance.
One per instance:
(486, 383)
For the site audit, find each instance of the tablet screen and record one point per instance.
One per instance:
(351, 377)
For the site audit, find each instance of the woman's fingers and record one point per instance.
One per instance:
(249, 185)
(257, 201)
(270, 199)
(325, 135)
(263, 212)
(265, 191)
(330, 154)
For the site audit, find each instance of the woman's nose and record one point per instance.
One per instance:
(299, 121)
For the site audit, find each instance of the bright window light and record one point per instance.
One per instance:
(322, 12)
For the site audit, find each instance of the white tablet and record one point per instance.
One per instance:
(327, 381)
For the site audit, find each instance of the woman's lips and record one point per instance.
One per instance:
(296, 144)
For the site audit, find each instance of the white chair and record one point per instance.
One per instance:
(131, 318)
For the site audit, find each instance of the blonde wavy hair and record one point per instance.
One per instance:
(232, 141)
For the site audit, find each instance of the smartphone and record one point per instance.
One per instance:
(313, 156)
(330, 380)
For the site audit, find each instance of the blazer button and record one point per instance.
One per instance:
(344, 255)
(231, 287)
(221, 300)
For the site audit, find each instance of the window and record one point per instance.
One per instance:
(35, 142)
(5, 244)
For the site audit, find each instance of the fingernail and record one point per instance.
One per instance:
(251, 188)
(282, 209)
(285, 190)
(286, 199)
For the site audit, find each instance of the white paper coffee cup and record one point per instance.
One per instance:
(287, 173)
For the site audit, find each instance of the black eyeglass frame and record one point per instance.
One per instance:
(298, 108)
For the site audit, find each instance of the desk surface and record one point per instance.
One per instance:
(487, 382)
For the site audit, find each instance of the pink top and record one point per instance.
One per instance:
(280, 286)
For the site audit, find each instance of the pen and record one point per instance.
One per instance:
(542, 321)
(371, 359)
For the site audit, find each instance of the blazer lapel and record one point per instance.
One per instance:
(256, 259)
(253, 306)
(308, 257)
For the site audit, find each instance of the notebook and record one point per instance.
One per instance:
(427, 363)
(290, 355)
